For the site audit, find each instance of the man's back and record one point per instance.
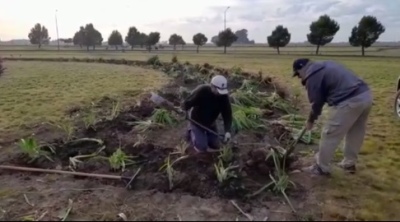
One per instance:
(336, 81)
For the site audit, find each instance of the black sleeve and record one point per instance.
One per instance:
(226, 113)
(316, 96)
(194, 97)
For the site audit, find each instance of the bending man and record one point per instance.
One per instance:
(206, 103)
(350, 100)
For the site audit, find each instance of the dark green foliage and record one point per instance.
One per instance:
(134, 37)
(88, 36)
(280, 37)
(115, 39)
(39, 35)
(151, 39)
(322, 31)
(174, 40)
(366, 33)
(199, 39)
(226, 38)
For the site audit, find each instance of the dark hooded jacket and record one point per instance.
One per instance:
(331, 83)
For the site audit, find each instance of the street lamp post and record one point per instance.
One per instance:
(225, 17)
(58, 39)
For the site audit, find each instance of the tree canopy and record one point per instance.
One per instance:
(115, 39)
(242, 37)
(280, 37)
(226, 38)
(151, 39)
(88, 36)
(39, 35)
(134, 37)
(199, 40)
(366, 33)
(322, 31)
(175, 39)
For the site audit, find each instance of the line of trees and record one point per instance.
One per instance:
(322, 32)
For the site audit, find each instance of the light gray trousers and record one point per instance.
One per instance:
(346, 120)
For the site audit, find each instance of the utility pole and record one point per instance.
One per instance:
(58, 38)
(225, 17)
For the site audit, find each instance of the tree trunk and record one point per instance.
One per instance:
(362, 51)
(87, 47)
(197, 49)
(174, 47)
(116, 47)
(132, 47)
(317, 51)
(225, 49)
(277, 49)
(94, 47)
(80, 45)
(40, 45)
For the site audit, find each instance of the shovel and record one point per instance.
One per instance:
(159, 100)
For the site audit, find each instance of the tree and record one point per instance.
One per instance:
(115, 39)
(280, 37)
(39, 35)
(133, 37)
(142, 39)
(226, 38)
(174, 40)
(242, 37)
(322, 31)
(88, 36)
(152, 39)
(214, 39)
(366, 33)
(79, 37)
(199, 39)
(181, 42)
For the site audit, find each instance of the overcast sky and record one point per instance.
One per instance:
(187, 17)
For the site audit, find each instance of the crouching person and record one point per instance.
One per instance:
(350, 100)
(204, 105)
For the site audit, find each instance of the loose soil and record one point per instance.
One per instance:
(194, 177)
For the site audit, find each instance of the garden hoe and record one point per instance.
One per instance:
(292, 146)
(127, 180)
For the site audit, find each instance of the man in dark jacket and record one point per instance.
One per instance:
(206, 103)
(350, 100)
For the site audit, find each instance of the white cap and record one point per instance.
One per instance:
(220, 83)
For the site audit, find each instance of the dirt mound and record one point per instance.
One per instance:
(126, 139)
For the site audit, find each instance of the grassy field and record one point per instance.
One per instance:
(372, 194)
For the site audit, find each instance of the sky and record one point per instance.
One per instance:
(188, 17)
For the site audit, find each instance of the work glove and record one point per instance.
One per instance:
(227, 137)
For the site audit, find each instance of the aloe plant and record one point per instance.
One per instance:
(34, 151)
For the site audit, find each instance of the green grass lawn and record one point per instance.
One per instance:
(372, 194)
(32, 92)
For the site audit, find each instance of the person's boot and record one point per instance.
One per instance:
(348, 168)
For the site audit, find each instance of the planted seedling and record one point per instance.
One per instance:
(141, 139)
(246, 118)
(68, 128)
(119, 160)
(89, 120)
(115, 109)
(226, 154)
(143, 126)
(249, 85)
(280, 181)
(31, 148)
(223, 174)
(74, 161)
(163, 117)
(168, 168)
(181, 148)
(246, 98)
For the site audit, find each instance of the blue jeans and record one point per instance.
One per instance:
(201, 139)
